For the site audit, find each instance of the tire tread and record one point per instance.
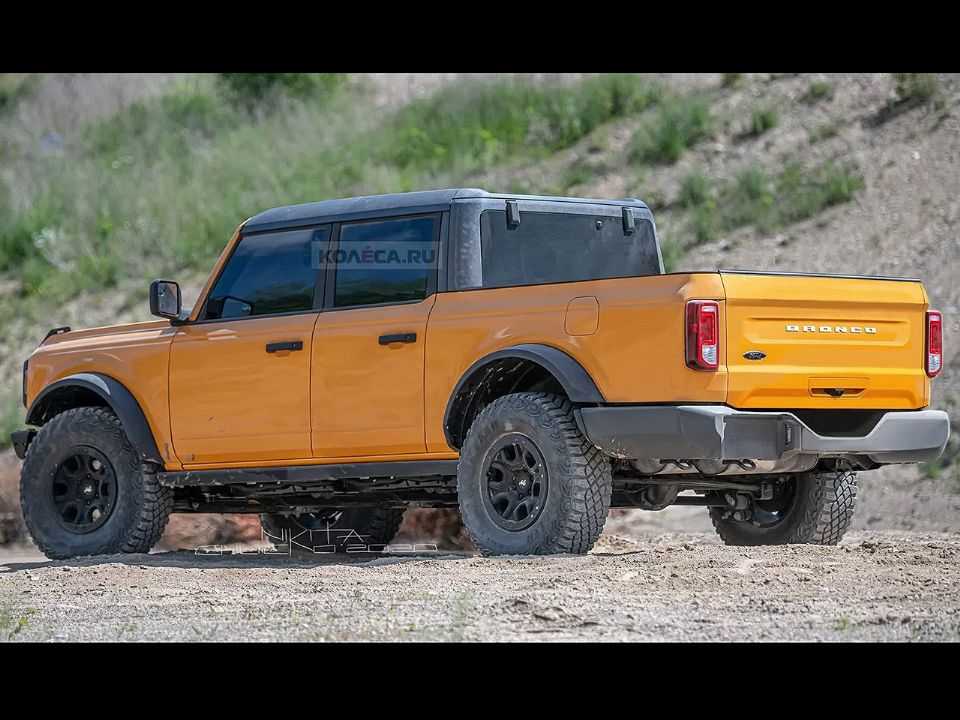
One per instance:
(587, 468)
(156, 502)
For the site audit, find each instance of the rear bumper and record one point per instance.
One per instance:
(718, 432)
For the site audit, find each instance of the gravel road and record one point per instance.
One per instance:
(673, 586)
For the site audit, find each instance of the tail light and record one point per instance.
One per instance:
(703, 334)
(934, 343)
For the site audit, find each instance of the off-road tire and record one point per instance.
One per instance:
(142, 506)
(820, 514)
(579, 478)
(374, 526)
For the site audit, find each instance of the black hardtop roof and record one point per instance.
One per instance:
(426, 200)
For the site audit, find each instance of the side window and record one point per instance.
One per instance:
(268, 274)
(386, 261)
(563, 247)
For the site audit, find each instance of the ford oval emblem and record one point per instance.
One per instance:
(754, 355)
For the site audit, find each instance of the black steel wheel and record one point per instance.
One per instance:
(84, 490)
(516, 482)
(529, 482)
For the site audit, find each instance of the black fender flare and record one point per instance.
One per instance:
(115, 396)
(575, 380)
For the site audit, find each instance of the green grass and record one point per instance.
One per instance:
(762, 120)
(13, 621)
(680, 123)
(817, 91)
(823, 132)
(916, 87)
(766, 202)
(695, 190)
(13, 88)
(11, 413)
(474, 126)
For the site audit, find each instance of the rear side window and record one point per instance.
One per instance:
(563, 247)
(268, 274)
(386, 261)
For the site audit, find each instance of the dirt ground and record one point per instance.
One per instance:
(668, 586)
(653, 576)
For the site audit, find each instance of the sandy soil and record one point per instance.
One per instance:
(874, 586)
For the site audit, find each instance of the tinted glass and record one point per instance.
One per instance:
(385, 261)
(268, 274)
(563, 247)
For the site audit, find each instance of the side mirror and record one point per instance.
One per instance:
(165, 299)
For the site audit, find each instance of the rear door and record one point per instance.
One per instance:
(824, 342)
(240, 375)
(368, 346)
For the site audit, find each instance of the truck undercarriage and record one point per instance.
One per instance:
(318, 488)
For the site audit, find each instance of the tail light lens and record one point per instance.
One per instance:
(703, 334)
(934, 343)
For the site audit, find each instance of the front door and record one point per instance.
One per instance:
(240, 374)
(368, 345)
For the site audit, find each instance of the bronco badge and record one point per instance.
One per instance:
(855, 329)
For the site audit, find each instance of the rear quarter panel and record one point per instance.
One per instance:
(635, 354)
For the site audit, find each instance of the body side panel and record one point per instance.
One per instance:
(635, 354)
(231, 400)
(367, 397)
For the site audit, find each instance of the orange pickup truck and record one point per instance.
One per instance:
(525, 359)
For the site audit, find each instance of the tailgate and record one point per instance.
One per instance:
(826, 342)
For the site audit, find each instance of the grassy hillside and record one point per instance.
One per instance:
(159, 186)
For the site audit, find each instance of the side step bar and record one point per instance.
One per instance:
(309, 474)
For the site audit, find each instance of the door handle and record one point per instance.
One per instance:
(398, 338)
(281, 346)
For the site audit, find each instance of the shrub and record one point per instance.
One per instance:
(579, 173)
(476, 125)
(671, 252)
(731, 80)
(818, 90)
(763, 120)
(18, 231)
(694, 190)
(13, 88)
(823, 132)
(915, 87)
(680, 124)
(704, 224)
(766, 202)
(250, 88)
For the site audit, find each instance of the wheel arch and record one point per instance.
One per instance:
(529, 366)
(97, 390)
